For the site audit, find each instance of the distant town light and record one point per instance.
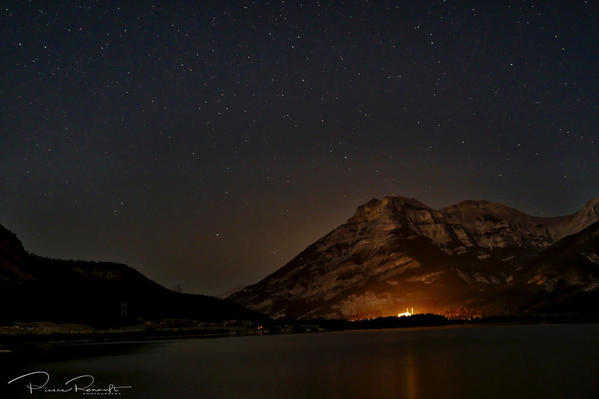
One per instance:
(406, 313)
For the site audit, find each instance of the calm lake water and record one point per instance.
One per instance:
(511, 361)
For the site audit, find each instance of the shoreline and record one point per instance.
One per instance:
(87, 335)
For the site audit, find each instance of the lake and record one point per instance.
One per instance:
(487, 361)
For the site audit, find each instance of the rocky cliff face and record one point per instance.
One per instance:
(471, 224)
(397, 252)
(565, 271)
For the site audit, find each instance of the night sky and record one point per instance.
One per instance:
(206, 145)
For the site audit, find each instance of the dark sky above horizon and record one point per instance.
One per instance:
(207, 144)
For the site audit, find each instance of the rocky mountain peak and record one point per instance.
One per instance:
(580, 220)
(395, 252)
(388, 206)
(476, 215)
(592, 207)
(477, 203)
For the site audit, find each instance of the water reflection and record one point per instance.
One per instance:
(488, 361)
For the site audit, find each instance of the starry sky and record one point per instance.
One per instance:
(207, 143)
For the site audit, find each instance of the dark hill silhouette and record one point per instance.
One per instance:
(37, 288)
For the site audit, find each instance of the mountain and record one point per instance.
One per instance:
(36, 288)
(397, 252)
(562, 279)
